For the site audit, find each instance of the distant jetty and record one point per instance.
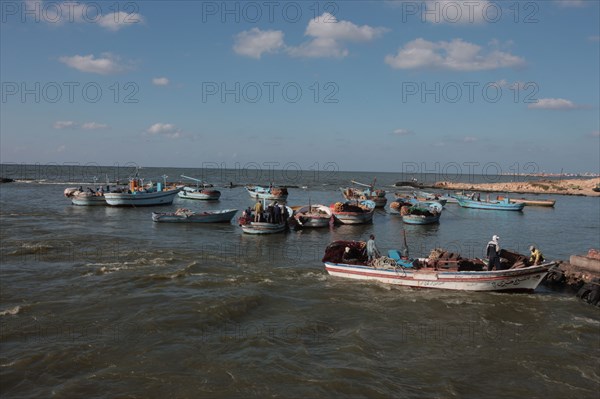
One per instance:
(565, 187)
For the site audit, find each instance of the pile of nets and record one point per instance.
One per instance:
(279, 191)
(345, 207)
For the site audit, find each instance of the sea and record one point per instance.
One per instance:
(100, 302)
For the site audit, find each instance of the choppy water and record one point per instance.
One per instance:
(101, 302)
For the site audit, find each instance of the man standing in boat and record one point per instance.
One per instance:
(258, 209)
(536, 256)
(372, 250)
(493, 253)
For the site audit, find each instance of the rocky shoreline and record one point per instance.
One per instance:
(583, 187)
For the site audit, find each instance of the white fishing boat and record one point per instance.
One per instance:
(202, 191)
(187, 216)
(268, 193)
(451, 274)
(85, 198)
(264, 227)
(353, 212)
(315, 215)
(138, 194)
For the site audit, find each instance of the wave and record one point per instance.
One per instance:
(11, 312)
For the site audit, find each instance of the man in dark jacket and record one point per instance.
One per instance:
(492, 252)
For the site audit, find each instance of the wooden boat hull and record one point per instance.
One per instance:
(524, 279)
(380, 201)
(88, 200)
(419, 219)
(207, 195)
(263, 228)
(530, 202)
(141, 198)
(321, 218)
(352, 217)
(223, 216)
(494, 206)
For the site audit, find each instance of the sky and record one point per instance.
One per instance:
(393, 86)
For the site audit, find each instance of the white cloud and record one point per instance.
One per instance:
(594, 38)
(328, 36)
(107, 65)
(94, 126)
(319, 48)
(84, 126)
(160, 81)
(553, 103)
(456, 55)
(118, 20)
(164, 129)
(327, 26)
(595, 134)
(64, 125)
(254, 42)
(571, 3)
(469, 139)
(403, 132)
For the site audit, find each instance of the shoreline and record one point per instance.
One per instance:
(578, 187)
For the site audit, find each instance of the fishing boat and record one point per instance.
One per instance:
(263, 227)
(202, 191)
(85, 198)
(140, 194)
(369, 193)
(187, 216)
(313, 215)
(529, 202)
(444, 271)
(398, 204)
(504, 205)
(353, 212)
(268, 193)
(415, 198)
(422, 213)
(88, 197)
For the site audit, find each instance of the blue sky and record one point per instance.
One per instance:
(370, 86)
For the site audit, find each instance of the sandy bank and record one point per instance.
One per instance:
(564, 187)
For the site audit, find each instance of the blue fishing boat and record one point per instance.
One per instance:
(422, 213)
(503, 205)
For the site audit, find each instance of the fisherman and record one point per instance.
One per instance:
(271, 213)
(277, 213)
(258, 209)
(286, 215)
(536, 256)
(372, 250)
(493, 253)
